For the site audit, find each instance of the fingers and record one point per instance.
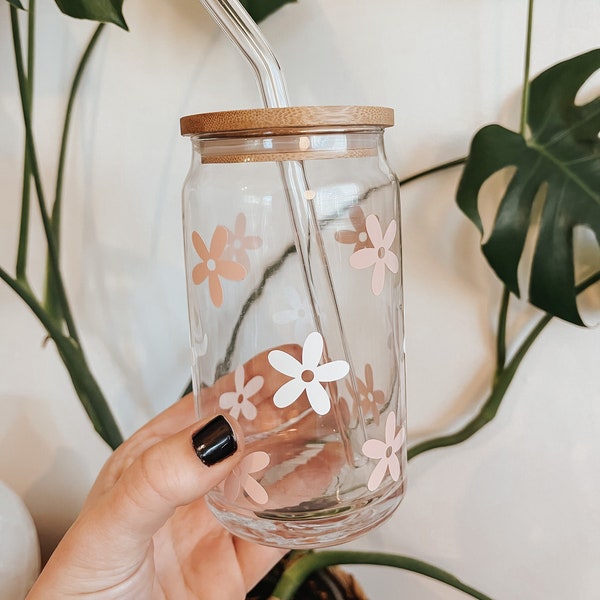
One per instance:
(171, 473)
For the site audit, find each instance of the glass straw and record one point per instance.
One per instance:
(242, 30)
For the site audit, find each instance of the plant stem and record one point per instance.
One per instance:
(51, 301)
(526, 66)
(502, 381)
(26, 192)
(301, 568)
(74, 360)
(52, 251)
(501, 333)
(440, 167)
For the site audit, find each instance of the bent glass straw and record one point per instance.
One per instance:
(242, 30)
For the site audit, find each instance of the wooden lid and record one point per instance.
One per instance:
(286, 120)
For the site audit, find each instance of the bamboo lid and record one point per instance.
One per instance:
(285, 120)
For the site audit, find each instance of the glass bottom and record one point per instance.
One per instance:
(323, 528)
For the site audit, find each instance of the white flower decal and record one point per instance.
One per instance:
(239, 479)
(379, 255)
(385, 452)
(307, 375)
(296, 312)
(239, 401)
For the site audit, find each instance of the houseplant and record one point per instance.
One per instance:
(82, 377)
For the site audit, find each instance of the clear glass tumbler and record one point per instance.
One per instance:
(293, 261)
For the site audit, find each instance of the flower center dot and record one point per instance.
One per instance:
(307, 376)
(362, 236)
(388, 452)
(237, 244)
(370, 396)
(211, 265)
(240, 398)
(381, 252)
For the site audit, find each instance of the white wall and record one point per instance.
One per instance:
(515, 511)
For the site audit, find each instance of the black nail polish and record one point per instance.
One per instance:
(215, 441)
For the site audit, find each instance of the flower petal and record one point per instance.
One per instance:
(332, 371)
(374, 448)
(391, 261)
(357, 218)
(230, 270)
(254, 462)
(199, 273)
(232, 486)
(248, 410)
(285, 363)
(369, 377)
(398, 440)
(216, 291)
(256, 491)
(239, 379)
(218, 242)
(199, 245)
(364, 258)
(312, 350)
(345, 236)
(228, 399)
(390, 234)
(252, 242)
(240, 224)
(390, 429)
(253, 386)
(377, 474)
(241, 257)
(288, 393)
(374, 230)
(378, 278)
(285, 316)
(394, 467)
(318, 397)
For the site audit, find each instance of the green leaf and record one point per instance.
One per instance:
(16, 4)
(103, 11)
(562, 158)
(261, 9)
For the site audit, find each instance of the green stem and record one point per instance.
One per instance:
(527, 63)
(503, 379)
(72, 355)
(52, 251)
(52, 301)
(440, 167)
(501, 333)
(26, 192)
(300, 569)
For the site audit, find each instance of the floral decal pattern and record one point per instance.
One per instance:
(296, 312)
(238, 243)
(213, 265)
(239, 400)
(370, 399)
(357, 236)
(385, 452)
(380, 256)
(307, 375)
(240, 479)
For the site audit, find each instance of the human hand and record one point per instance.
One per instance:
(145, 531)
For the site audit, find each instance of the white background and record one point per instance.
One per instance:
(515, 511)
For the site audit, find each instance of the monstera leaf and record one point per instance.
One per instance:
(261, 9)
(104, 11)
(561, 159)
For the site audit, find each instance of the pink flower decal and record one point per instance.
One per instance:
(238, 243)
(385, 452)
(370, 399)
(379, 255)
(359, 236)
(213, 265)
(239, 479)
(307, 375)
(239, 400)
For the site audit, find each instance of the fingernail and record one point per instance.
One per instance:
(215, 441)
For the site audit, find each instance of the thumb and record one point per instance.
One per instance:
(171, 473)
